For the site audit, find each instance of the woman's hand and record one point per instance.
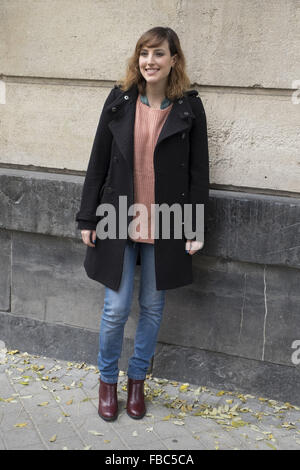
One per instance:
(192, 246)
(85, 235)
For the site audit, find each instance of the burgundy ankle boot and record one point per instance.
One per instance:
(108, 401)
(135, 399)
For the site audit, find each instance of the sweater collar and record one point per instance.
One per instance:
(164, 104)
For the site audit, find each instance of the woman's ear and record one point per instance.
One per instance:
(174, 58)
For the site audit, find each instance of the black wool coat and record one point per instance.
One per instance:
(181, 171)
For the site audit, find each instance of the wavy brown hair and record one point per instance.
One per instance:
(178, 81)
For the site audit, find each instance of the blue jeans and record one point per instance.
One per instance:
(116, 310)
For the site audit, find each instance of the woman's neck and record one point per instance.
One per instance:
(155, 94)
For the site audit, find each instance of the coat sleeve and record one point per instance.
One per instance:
(198, 164)
(96, 172)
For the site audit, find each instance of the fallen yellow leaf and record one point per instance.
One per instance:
(183, 387)
(166, 418)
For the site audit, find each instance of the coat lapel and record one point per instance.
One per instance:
(122, 111)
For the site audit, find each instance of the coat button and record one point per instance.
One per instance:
(114, 109)
(183, 135)
(182, 194)
(182, 164)
(180, 101)
(186, 113)
(126, 97)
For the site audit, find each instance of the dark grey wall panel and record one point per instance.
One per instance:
(50, 283)
(39, 202)
(257, 228)
(227, 372)
(241, 309)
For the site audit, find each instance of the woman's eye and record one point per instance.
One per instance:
(158, 53)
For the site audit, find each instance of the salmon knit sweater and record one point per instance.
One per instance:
(147, 127)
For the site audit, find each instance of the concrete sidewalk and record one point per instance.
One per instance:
(52, 404)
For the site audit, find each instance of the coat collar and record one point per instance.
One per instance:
(122, 115)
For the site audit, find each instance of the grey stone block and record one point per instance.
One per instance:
(241, 309)
(255, 228)
(39, 202)
(226, 372)
(49, 283)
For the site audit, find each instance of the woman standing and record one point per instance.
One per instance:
(150, 148)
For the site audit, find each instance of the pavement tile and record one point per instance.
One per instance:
(19, 437)
(200, 424)
(183, 443)
(73, 443)
(111, 440)
(8, 420)
(33, 387)
(135, 435)
(2, 445)
(47, 415)
(153, 445)
(36, 400)
(289, 443)
(35, 446)
(6, 388)
(244, 438)
(79, 410)
(61, 430)
(167, 429)
(92, 422)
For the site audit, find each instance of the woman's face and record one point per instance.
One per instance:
(155, 62)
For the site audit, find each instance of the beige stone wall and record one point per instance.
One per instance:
(59, 58)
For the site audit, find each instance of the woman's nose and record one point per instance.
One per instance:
(150, 60)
